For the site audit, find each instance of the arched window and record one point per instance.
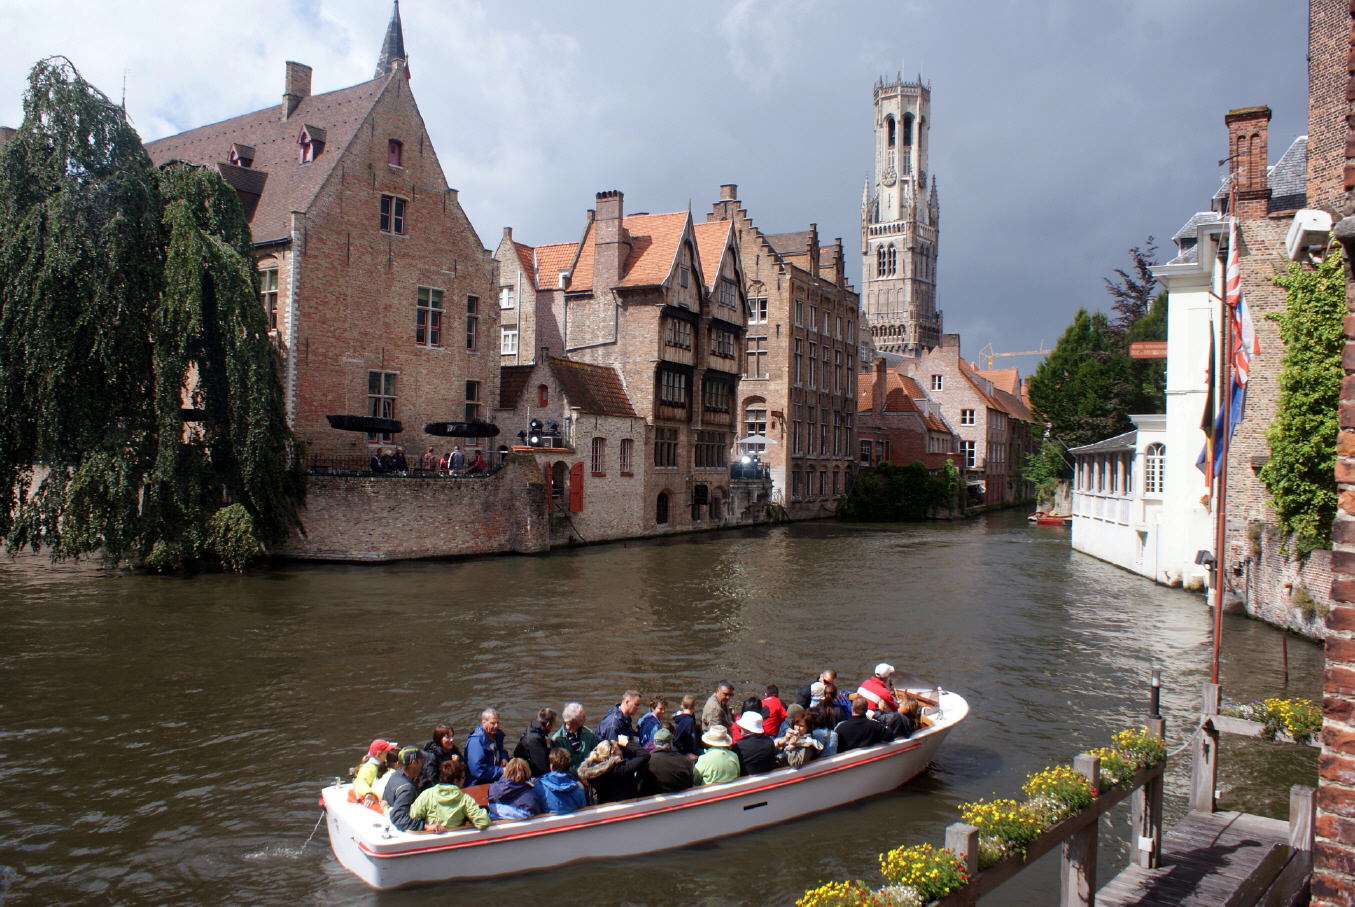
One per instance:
(880, 261)
(1153, 463)
(661, 511)
(889, 125)
(542, 395)
(907, 129)
(893, 261)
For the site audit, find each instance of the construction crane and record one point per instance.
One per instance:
(988, 353)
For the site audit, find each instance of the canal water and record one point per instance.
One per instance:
(163, 740)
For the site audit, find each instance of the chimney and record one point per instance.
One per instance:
(950, 341)
(609, 255)
(1248, 158)
(877, 390)
(508, 233)
(729, 192)
(298, 87)
(812, 249)
(727, 208)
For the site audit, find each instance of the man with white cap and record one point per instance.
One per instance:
(878, 691)
(756, 750)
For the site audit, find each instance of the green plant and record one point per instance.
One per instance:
(932, 873)
(1300, 473)
(1303, 601)
(1063, 784)
(1047, 469)
(1255, 533)
(1139, 747)
(1005, 826)
(890, 493)
(1115, 768)
(1299, 718)
(841, 894)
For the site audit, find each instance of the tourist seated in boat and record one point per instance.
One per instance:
(617, 722)
(380, 760)
(836, 706)
(750, 704)
(650, 721)
(797, 745)
(403, 790)
(773, 710)
(859, 731)
(534, 747)
(719, 763)
(574, 735)
(807, 697)
(445, 806)
(439, 749)
(822, 731)
(717, 711)
(613, 773)
(791, 711)
(485, 755)
(879, 691)
(667, 771)
(756, 751)
(686, 729)
(559, 790)
(513, 796)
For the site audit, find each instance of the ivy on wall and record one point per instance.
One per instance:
(1300, 474)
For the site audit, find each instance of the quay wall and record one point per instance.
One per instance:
(384, 518)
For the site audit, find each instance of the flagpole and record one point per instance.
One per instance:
(1221, 497)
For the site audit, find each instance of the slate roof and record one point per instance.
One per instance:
(393, 48)
(789, 243)
(1288, 179)
(1117, 444)
(512, 380)
(290, 186)
(711, 239)
(592, 388)
(1188, 232)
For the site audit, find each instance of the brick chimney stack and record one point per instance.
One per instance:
(727, 208)
(297, 89)
(611, 244)
(878, 389)
(1248, 157)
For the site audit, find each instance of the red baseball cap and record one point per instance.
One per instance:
(380, 746)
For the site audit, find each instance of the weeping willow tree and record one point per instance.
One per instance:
(128, 294)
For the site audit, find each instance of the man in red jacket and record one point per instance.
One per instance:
(879, 692)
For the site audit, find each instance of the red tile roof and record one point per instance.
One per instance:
(592, 388)
(711, 239)
(525, 258)
(897, 398)
(550, 261)
(1014, 406)
(512, 380)
(655, 238)
(290, 186)
(1008, 379)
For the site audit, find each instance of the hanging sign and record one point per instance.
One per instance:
(1148, 349)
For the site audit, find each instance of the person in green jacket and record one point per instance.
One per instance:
(718, 764)
(445, 806)
(574, 736)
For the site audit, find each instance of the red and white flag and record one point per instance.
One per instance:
(1245, 343)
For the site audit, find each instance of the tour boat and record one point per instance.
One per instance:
(384, 857)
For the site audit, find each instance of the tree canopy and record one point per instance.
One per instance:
(128, 295)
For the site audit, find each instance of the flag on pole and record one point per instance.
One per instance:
(1205, 462)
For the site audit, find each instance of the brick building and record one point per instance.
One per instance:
(799, 379)
(898, 423)
(996, 430)
(659, 302)
(900, 223)
(379, 291)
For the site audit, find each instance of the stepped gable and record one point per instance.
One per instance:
(287, 185)
(593, 389)
(711, 238)
(512, 381)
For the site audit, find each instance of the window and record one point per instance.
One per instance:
(838, 332)
(799, 361)
(797, 427)
(809, 444)
(837, 371)
(627, 449)
(716, 395)
(472, 321)
(508, 344)
(966, 417)
(679, 334)
(474, 409)
(721, 343)
(937, 382)
(542, 395)
(827, 332)
(795, 483)
(755, 365)
(824, 374)
(728, 296)
(672, 389)
(661, 510)
(311, 142)
(394, 150)
(1153, 460)
(428, 318)
(710, 449)
(892, 261)
(684, 276)
(392, 215)
(967, 448)
(813, 363)
(814, 318)
(823, 436)
(851, 331)
(268, 295)
(599, 458)
(823, 474)
(799, 312)
(867, 452)
(755, 421)
(837, 434)
(507, 298)
(880, 261)
(881, 452)
(381, 402)
(757, 310)
(665, 449)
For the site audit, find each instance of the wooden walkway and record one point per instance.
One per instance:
(1224, 858)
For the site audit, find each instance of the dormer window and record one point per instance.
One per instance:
(393, 152)
(312, 142)
(240, 155)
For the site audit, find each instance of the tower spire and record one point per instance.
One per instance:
(393, 48)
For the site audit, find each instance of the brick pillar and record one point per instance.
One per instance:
(1248, 155)
(1334, 852)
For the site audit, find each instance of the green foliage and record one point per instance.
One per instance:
(1301, 719)
(1300, 474)
(128, 292)
(1063, 784)
(890, 493)
(1047, 469)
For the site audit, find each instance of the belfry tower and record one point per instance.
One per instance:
(899, 224)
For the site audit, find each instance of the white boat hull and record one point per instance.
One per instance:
(385, 857)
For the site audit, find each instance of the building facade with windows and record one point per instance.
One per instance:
(380, 295)
(658, 301)
(800, 374)
(898, 423)
(900, 221)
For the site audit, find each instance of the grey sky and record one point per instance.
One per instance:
(1063, 132)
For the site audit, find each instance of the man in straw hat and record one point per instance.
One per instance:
(718, 764)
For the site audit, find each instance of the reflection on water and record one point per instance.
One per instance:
(164, 739)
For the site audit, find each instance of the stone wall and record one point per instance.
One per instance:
(364, 518)
(1284, 591)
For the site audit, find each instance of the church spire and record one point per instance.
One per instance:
(393, 48)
